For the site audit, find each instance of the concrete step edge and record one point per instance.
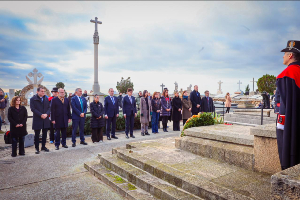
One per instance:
(107, 176)
(204, 189)
(160, 189)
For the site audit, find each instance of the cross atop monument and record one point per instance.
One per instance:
(35, 82)
(253, 83)
(96, 23)
(162, 87)
(239, 85)
(220, 83)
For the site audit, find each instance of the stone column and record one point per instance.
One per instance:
(96, 86)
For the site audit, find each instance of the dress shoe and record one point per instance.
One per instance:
(65, 146)
(37, 151)
(74, 145)
(166, 130)
(45, 149)
(57, 148)
(84, 143)
(132, 136)
(13, 155)
(142, 134)
(21, 154)
(108, 138)
(147, 133)
(115, 137)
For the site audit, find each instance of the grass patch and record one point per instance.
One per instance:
(118, 179)
(131, 187)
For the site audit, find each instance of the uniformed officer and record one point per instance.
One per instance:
(288, 124)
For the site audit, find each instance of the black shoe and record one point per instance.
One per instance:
(115, 137)
(37, 151)
(108, 138)
(84, 143)
(142, 134)
(127, 136)
(45, 149)
(65, 146)
(132, 136)
(74, 145)
(166, 130)
(13, 155)
(21, 154)
(147, 133)
(57, 148)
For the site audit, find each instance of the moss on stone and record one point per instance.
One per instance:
(131, 187)
(118, 179)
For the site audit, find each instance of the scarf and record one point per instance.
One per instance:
(62, 99)
(185, 97)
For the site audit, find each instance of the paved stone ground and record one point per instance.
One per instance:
(61, 174)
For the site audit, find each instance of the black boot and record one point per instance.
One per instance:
(142, 134)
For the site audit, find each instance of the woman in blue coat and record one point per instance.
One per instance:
(97, 119)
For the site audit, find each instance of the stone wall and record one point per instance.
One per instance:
(25, 101)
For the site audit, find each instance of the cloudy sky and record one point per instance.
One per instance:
(151, 42)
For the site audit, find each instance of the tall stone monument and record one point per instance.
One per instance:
(239, 91)
(220, 90)
(176, 87)
(96, 86)
(253, 92)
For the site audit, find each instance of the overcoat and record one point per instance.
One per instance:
(143, 110)
(15, 117)
(39, 107)
(60, 112)
(288, 85)
(186, 105)
(228, 101)
(165, 105)
(207, 105)
(176, 104)
(195, 99)
(97, 110)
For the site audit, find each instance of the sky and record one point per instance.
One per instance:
(197, 43)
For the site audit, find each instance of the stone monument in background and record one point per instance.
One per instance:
(176, 87)
(220, 90)
(32, 87)
(96, 86)
(239, 91)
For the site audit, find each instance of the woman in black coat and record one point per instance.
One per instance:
(97, 119)
(17, 116)
(176, 114)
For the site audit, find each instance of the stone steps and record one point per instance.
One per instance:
(122, 186)
(159, 188)
(235, 154)
(200, 176)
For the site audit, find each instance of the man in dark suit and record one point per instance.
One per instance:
(129, 112)
(60, 117)
(196, 101)
(111, 113)
(207, 104)
(79, 109)
(40, 106)
(52, 130)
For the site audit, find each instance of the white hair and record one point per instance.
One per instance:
(76, 90)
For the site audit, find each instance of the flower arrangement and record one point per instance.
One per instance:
(202, 119)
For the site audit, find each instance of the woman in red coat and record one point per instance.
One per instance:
(17, 116)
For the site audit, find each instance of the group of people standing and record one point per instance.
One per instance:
(54, 113)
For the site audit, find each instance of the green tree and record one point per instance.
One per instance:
(266, 83)
(247, 88)
(61, 85)
(17, 92)
(124, 84)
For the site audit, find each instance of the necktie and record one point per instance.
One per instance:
(42, 99)
(81, 104)
(207, 100)
(112, 99)
(130, 99)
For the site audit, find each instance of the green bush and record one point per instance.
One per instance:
(202, 119)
